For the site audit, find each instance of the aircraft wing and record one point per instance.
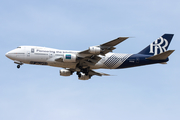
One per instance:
(104, 48)
(90, 57)
(91, 72)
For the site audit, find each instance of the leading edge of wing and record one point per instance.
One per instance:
(115, 41)
(107, 44)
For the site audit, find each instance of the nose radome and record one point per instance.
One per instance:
(7, 54)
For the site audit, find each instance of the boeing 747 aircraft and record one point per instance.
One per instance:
(96, 57)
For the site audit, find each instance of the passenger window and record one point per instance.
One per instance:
(32, 50)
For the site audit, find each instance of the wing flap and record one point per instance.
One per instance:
(59, 59)
(91, 72)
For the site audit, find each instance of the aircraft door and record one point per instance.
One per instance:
(28, 53)
(137, 60)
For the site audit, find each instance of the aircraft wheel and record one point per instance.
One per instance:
(18, 66)
(86, 73)
(79, 75)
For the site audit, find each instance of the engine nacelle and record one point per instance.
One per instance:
(84, 77)
(65, 72)
(69, 58)
(94, 50)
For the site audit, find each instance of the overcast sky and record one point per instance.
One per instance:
(40, 93)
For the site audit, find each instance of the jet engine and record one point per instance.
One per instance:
(69, 57)
(94, 50)
(82, 76)
(65, 72)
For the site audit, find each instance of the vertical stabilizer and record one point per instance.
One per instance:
(158, 46)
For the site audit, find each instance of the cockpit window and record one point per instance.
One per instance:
(18, 47)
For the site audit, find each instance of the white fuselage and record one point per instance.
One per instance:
(46, 56)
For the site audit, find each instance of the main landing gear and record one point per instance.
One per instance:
(82, 70)
(85, 71)
(79, 74)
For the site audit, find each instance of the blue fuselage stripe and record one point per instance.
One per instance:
(139, 60)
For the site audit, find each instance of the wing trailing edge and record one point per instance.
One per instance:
(91, 72)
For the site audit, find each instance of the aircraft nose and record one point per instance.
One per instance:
(7, 54)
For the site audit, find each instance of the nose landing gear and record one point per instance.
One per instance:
(18, 66)
(19, 63)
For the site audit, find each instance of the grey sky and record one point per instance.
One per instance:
(38, 92)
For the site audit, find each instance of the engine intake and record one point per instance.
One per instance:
(65, 72)
(94, 50)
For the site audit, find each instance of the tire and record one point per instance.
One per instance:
(18, 66)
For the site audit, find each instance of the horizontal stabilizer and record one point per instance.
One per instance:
(161, 56)
(163, 63)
